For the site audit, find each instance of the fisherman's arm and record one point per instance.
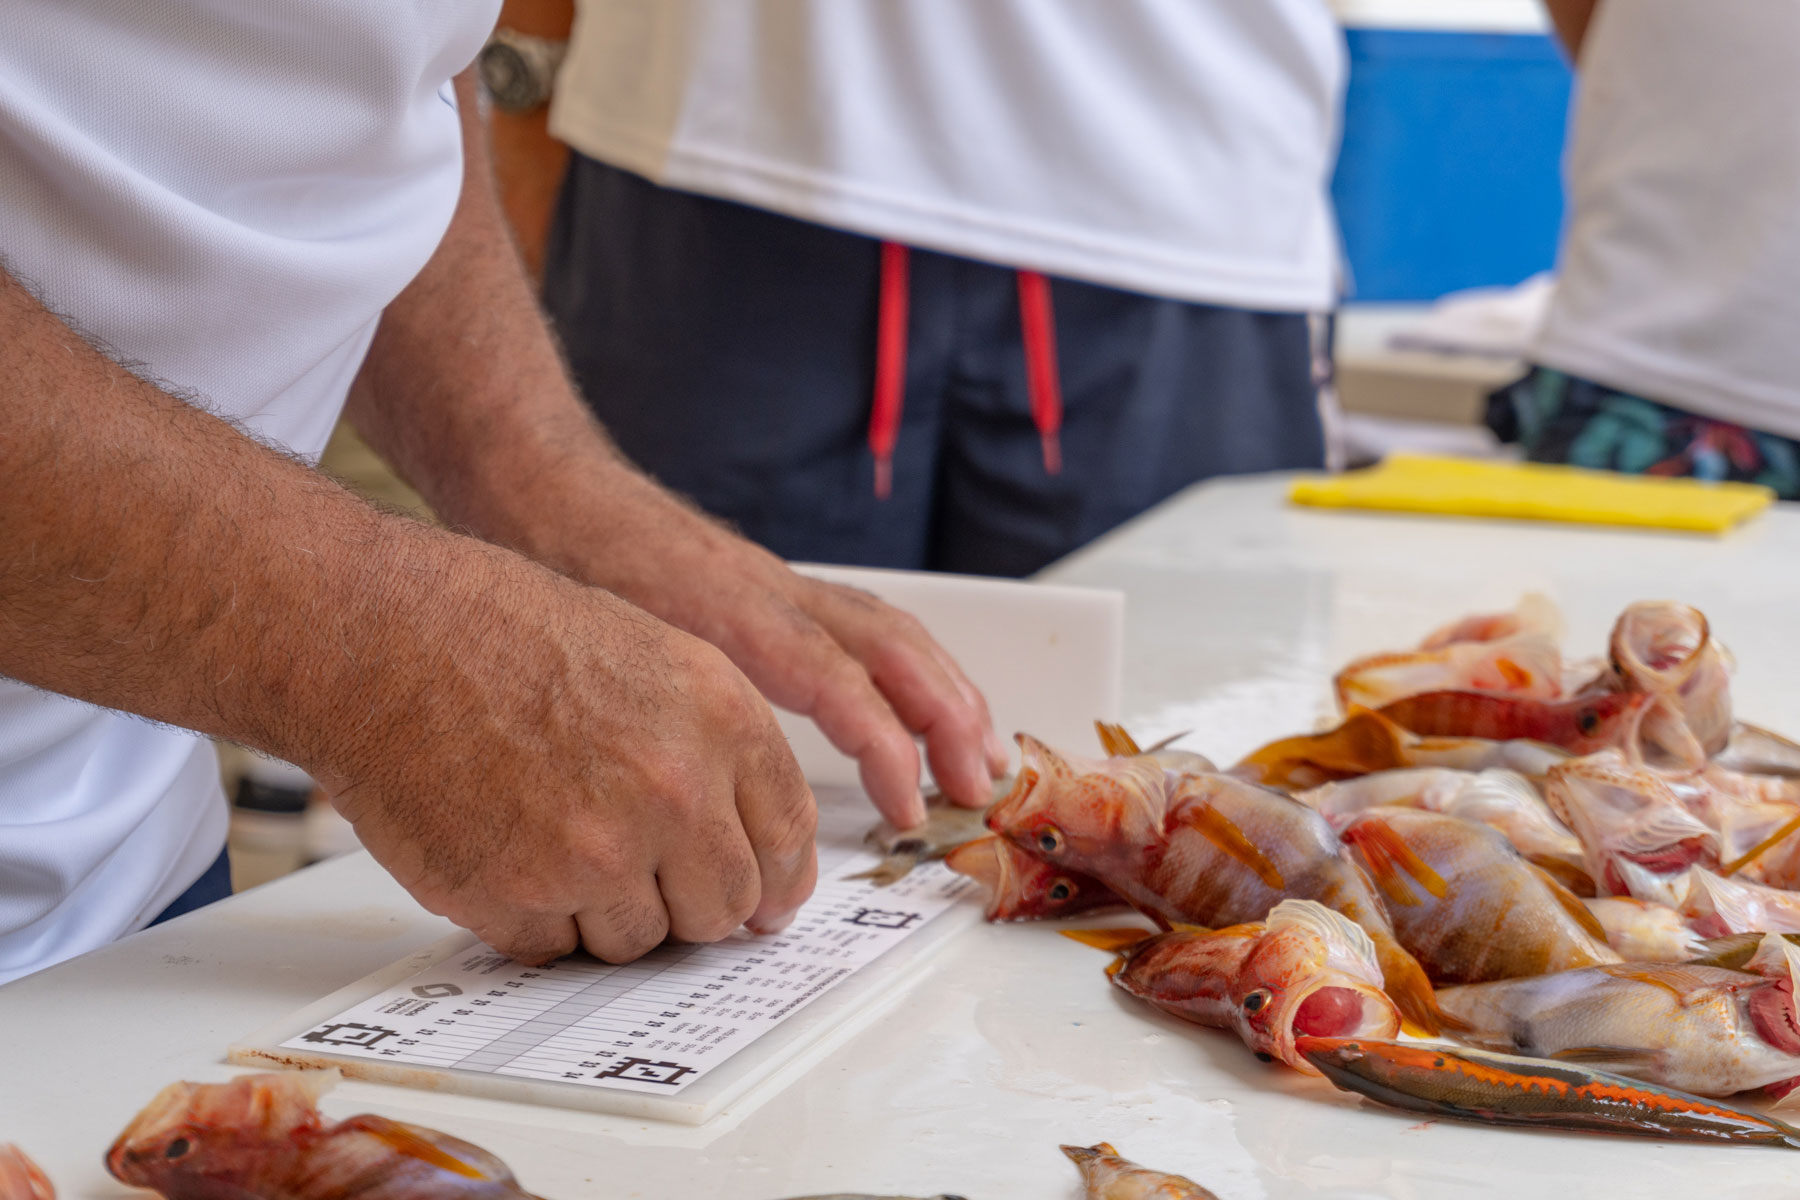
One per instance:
(532, 757)
(466, 394)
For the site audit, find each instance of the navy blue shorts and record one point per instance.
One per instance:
(212, 886)
(731, 353)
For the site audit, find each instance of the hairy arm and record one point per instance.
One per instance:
(466, 394)
(530, 756)
(156, 560)
(1572, 18)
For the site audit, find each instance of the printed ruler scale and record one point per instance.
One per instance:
(677, 1034)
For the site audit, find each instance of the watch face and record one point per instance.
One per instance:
(519, 71)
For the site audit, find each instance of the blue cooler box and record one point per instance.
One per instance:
(1451, 170)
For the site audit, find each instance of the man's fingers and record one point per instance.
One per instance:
(924, 687)
(627, 923)
(710, 882)
(856, 719)
(532, 940)
(780, 821)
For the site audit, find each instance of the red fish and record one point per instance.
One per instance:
(20, 1178)
(1505, 1089)
(1023, 888)
(1581, 725)
(1368, 742)
(1306, 970)
(261, 1137)
(1214, 851)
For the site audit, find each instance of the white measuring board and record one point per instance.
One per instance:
(676, 1035)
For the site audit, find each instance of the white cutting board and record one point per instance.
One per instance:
(1049, 659)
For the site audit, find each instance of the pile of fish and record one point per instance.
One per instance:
(1586, 862)
(262, 1137)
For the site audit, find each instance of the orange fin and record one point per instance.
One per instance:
(1571, 904)
(410, 1141)
(1115, 741)
(1391, 862)
(1761, 848)
(1113, 941)
(1224, 834)
(1616, 1056)
(1407, 985)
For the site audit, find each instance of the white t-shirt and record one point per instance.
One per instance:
(226, 196)
(1176, 147)
(1680, 273)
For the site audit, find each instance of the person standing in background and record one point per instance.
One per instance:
(926, 284)
(1670, 346)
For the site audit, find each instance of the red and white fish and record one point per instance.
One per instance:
(1666, 651)
(1510, 654)
(260, 1137)
(1628, 816)
(1217, 851)
(1107, 1176)
(1305, 971)
(1579, 724)
(20, 1178)
(1368, 742)
(1715, 906)
(1467, 905)
(1700, 1029)
(1021, 887)
(1502, 800)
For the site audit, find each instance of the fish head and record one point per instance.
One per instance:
(1079, 813)
(1023, 888)
(1772, 1005)
(208, 1138)
(1666, 650)
(1313, 973)
(20, 1178)
(1628, 815)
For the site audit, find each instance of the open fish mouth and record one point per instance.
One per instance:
(1772, 1015)
(1332, 1007)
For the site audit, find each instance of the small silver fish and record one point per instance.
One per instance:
(946, 827)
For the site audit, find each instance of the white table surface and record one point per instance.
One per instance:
(1238, 608)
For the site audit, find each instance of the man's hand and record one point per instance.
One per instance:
(578, 773)
(868, 674)
(465, 393)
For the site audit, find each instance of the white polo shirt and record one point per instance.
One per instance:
(1680, 272)
(1180, 148)
(226, 196)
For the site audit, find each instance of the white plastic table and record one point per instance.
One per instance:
(1238, 608)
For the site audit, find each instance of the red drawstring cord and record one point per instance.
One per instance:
(1037, 328)
(890, 365)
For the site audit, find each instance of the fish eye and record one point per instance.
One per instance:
(1588, 721)
(177, 1148)
(1062, 889)
(1264, 1056)
(1255, 1000)
(1050, 839)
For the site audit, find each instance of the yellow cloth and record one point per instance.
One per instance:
(1535, 491)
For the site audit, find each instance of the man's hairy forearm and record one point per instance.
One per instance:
(155, 559)
(465, 393)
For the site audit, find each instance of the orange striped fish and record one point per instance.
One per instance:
(1505, 1089)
